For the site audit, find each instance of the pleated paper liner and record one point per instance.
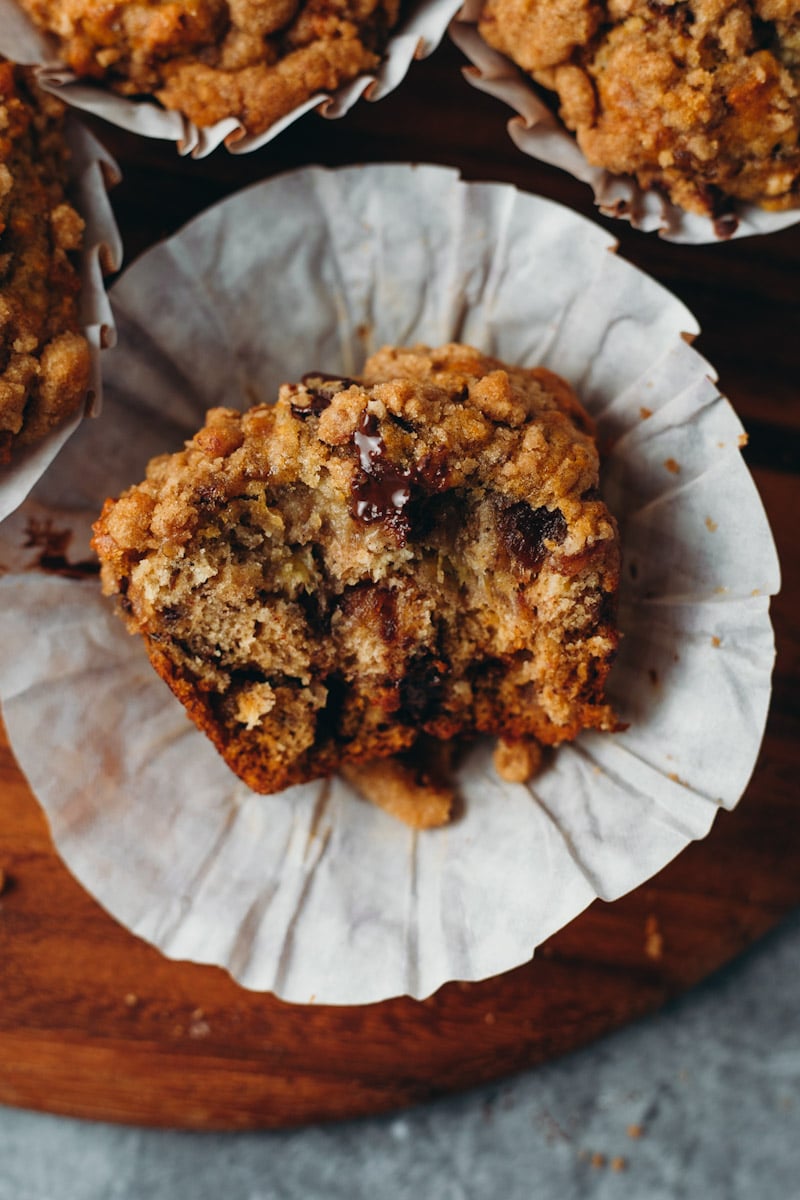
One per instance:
(313, 892)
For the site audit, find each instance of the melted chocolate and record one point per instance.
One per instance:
(369, 443)
(679, 15)
(387, 492)
(383, 499)
(320, 389)
(421, 689)
(525, 530)
(432, 472)
(372, 606)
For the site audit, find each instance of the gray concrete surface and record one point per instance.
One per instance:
(713, 1082)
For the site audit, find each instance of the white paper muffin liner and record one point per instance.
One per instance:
(419, 33)
(92, 171)
(313, 893)
(540, 134)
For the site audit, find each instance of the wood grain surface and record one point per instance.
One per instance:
(95, 1023)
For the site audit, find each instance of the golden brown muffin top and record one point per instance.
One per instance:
(211, 59)
(700, 98)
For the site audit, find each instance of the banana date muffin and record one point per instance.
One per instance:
(421, 551)
(698, 98)
(254, 60)
(44, 358)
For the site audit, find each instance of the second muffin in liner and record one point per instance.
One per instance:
(418, 31)
(312, 893)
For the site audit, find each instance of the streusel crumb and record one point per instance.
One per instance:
(419, 551)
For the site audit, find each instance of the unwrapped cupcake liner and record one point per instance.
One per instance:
(540, 134)
(92, 172)
(416, 37)
(313, 893)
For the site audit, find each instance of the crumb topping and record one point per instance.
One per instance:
(254, 60)
(420, 550)
(700, 98)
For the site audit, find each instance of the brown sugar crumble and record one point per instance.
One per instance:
(645, 413)
(44, 358)
(414, 787)
(519, 761)
(254, 60)
(672, 466)
(711, 525)
(699, 99)
(422, 551)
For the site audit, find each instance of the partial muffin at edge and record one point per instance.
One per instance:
(44, 357)
(697, 98)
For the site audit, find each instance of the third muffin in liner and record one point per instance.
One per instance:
(420, 29)
(540, 134)
(313, 893)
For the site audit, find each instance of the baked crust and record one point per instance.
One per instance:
(698, 98)
(44, 358)
(254, 60)
(422, 551)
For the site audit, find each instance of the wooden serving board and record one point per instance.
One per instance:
(95, 1023)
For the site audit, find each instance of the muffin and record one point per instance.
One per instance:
(45, 360)
(422, 551)
(699, 99)
(214, 59)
